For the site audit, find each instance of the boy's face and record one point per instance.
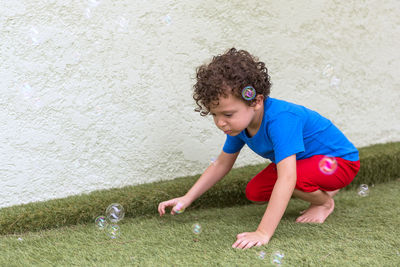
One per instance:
(232, 115)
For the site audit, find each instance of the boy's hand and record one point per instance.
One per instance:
(249, 239)
(183, 203)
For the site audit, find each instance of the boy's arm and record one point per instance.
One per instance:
(280, 196)
(212, 175)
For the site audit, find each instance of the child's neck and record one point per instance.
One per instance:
(254, 126)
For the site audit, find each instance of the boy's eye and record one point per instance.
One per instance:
(228, 115)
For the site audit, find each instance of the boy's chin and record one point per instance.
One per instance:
(232, 133)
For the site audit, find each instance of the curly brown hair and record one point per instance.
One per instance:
(229, 73)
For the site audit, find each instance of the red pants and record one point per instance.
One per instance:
(309, 178)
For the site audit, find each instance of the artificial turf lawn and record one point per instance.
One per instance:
(362, 231)
(379, 163)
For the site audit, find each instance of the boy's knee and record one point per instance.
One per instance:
(254, 196)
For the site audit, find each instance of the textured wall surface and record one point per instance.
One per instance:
(97, 94)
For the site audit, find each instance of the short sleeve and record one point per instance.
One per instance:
(286, 133)
(233, 144)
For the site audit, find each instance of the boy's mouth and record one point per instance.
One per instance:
(227, 132)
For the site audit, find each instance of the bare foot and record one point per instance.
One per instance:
(330, 193)
(317, 213)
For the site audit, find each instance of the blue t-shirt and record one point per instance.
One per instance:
(288, 129)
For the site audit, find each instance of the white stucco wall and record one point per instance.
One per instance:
(97, 94)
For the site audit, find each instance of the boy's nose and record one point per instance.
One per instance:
(221, 123)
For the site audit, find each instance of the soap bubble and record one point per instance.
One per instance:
(113, 231)
(27, 91)
(122, 24)
(249, 93)
(327, 71)
(196, 228)
(20, 239)
(335, 82)
(363, 190)
(168, 19)
(94, 3)
(97, 110)
(261, 255)
(179, 208)
(34, 36)
(38, 102)
(277, 258)
(88, 13)
(101, 222)
(328, 165)
(115, 212)
(213, 160)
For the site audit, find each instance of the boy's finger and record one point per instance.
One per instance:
(160, 208)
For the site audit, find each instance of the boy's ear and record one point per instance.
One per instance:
(259, 101)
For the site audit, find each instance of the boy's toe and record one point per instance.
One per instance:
(300, 219)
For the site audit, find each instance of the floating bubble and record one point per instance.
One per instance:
(115, 212)
(113, 230)
(88, 13)
(196, 228)
(179, 208)
(335, 82)
(328, 165)
(122, 24)
(327, 71)
(363, 190)
(277, 258)
(248, 93)
(168, 19)
(94, 3)
(98, 110)
(213, 160)
(34, 31)
(20, 239)
(101, 222)
(261, 255)
(34, 36)
(27, 91)
(38, 102)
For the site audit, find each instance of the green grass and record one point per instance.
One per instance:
(363, 231)
(379, 163)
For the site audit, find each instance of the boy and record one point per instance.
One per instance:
(234, 88)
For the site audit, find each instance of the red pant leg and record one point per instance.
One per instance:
(260, 187)
(309, 178)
